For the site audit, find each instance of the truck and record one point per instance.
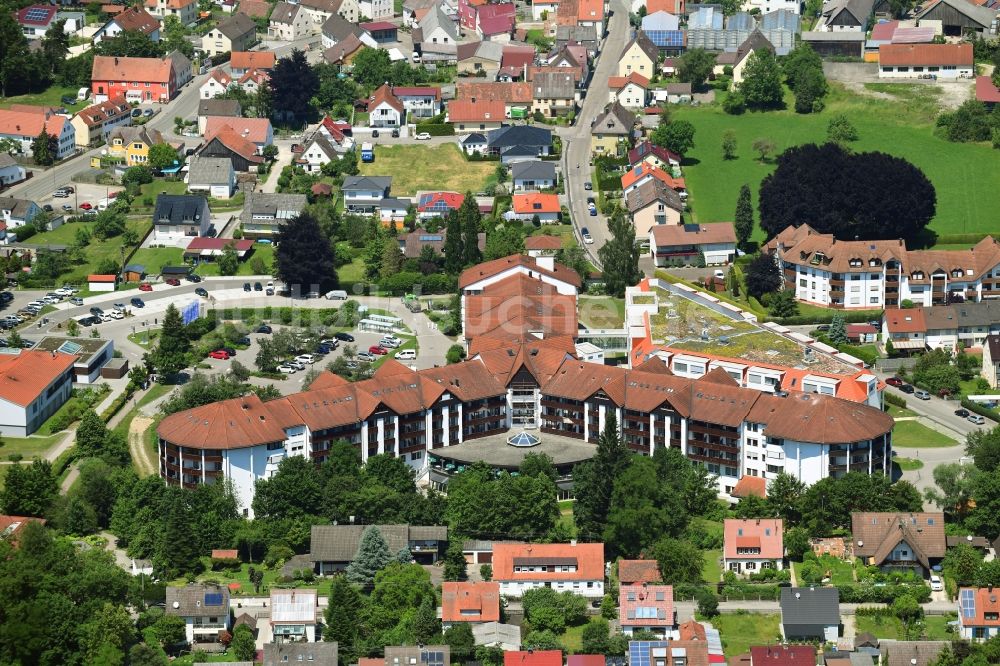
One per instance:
(367, 152)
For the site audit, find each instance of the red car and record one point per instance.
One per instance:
(173, 282)
(220, 354)
(145, 286)
(895, 381)
(378, 350)
(85, 206)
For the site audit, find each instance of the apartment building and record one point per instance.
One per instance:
(564, 567)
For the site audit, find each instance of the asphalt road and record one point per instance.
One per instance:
(576, 140)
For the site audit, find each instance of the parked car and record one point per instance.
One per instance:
(192, 277)
(305, 358)
(287, 369)
(137, 303)
(406, 354)
(423, 136)
(390, 342)
(395, 134)
(936, 585)
(378, 350)
(593, 211)
(921, 395)
(374, 133)
(906, 388)
(344, 337)
(76, 300)
(201, 291)
(245, 341)
(976, 418)
(264, 328)
(587, 238)
(962, 413)
(67, 208)
(120, 307)
(295, 364)
(257, 286)
(136, 113)
(145, 286)
(367, 357)
(47, 208)
(588, 186)
(895, 381)
(246, 286)
(96, 311)
(86, 205)
(173, 282)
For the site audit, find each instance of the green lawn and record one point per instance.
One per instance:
(96, 252)
(51, 97)
(841, 571)
(937, 629)
(564, 231)
(27, 447)
(741, 630)
(572, 640)
(897, 412)
(352, 273)
(265, 252)
(712, 571)
(155, 258)
(602, 311)
(908, 464)
(970, 387)
(916, 435)
(887, 626)
(566, 516)
(424, 167)
(902, 126)
(242, 576)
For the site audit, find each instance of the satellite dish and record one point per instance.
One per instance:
(177, 604)
(104, 151)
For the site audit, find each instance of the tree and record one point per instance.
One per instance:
(799, 63)
(29, 490)
(676, 136)
(851, 203)
(13, 52)
(984, 448)
(680, 561)
(229, 261)
(594, 480)
(841, 131)
(620, 256)
(169, 630)
(371, 68)
(784, 494)
(41, 149)
(176, 551)
(969, 122)
(642, 509)
(762, 276)
(453, 252)
(294, 84)
(695, 66)
(91, 434)
(373, 556)
(161, 156)
(461, 641)
(503, 241)
(304, 257)
(753, 506)
(963, 562)
(761, 86)
(426, 626)
(341, 615)
(130, 44)
(455, 354)
(838, 330)
(708, 603)
(783, 304)
(138, 175)
(144, 655)
(797, 543)
(171, 353)
(744, 218)
(174, 37)
(471, 218)
(735, 103)
(729, 145)
(955, 485)
(392, 258)
(809, 92)
(454, 561)
(984, 519)
(109, 223)
(906, 608)
(243, 643)
(763, 147)
(293, 491)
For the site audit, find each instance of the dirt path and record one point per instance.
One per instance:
(137, 446)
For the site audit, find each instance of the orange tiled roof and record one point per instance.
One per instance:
(533, 202)
(24, 376)
(252, 60)
(589, 559)
(470, 602)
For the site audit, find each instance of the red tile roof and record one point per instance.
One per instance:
(509, 93)
(590, 10)
(645, 169)
(655, 601)
(111, 68)
(137, 19)
(29, 123)
(101, 278)
(254, 8)
(41, 15)
(378, 26)
(763, 533)
(691, 631)
(254, 130)
(478, 111)
(470, 602)
(520, 304)
(450, 199)
(383, 95)
(24, 376)
(882, 31)
(225, 554)
(619, 82)
(490, 268)
(99, 113)
(542, 243)
(747, 486)
(586, 660)
(893, 55)
(589, 558)
(252, 60)
(646, 148)
(985, 90)
(533, 658)
(528, 203)
(228, 137)
(11, 526)
(638, 571)
(783, 655)
(905, 321)
(985, 601)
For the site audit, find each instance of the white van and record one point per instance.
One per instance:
(103, 204)
(336, 295)
(406, 354)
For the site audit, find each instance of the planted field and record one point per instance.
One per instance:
(901, 125)
(426, 167)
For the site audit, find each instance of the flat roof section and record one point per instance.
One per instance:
(496, 452)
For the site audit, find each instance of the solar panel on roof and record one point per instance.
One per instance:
(968, 603)
(213, 599)
(36, 15)
(69, 347)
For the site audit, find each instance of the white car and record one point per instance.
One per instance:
(406, 354)
(936, 585)
(423, 136)
(287, 369)
(306, 358)
(116, 314)
(106, 316)
(390, 343)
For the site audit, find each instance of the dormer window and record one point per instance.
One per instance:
(957, 273)
(855, 263)
(918, 275)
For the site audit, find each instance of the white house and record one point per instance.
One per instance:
(10, 171)
(754, 544)
(24, 125)
(133, 19)
(33, 385)
(715, 243)
(179, 216)
(204, 609)
(385, 109)
(289, 22)
(293, 615)
(217, 83)
(915, 61)
(376, 10)
(213, 175)
(362, 194)
(564, 567)
(17, 212)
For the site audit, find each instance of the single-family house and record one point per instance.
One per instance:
(553, 93)
(573, 57)
(864, 334)
(23, 123)
(643, 172)
(336, 29)
(586, 36)
(344, 52)
(413, 244)
(217, 83)
(978, 613)
(639, 56)
(10, 171)
(385, 109)
(473, 114)
(257, 131)
(132, 143)
(645, 607)
(179, 216)
(16, 212)
(469, 602)
(94, 124)
(437, 204)
(810, 613)
(243, 62)
(36, 20)
(317, 151)
(376, 10)
(542, 246)
(991, 360)
(419, 101)
(750, 545)
(629, 91)
(533, 658)
(204, 609)
(289, 22)
(533, 175)
(544, 9)
(235, 33)
(787, 655)
(437, 29)
(474, 143)
(132, 19)
(612, 131)
(910, 653)
(201, 249)
(312, 654)
(915, 61)
(893, 541)
(216, 108)
(362, 194)
(654, 155)
(480, 59)
(185, 10)
(293, 615)
(264, 214)
(333, 547)
(227, 142)
(565, 567)
(653, 204)
(136, 79)
(637, 572)
(674, 93)
(755, 42)
(514, 61)
(214, 175)
(528, 205)
(685, 244)
(519, 143)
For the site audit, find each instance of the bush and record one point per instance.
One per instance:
(455, 354)
(435, 129)
(866, 593)
(893, 399)
(277, 555)
(976, 408)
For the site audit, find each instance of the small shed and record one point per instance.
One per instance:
(862, 333)
(174, 271)
(135, 273)
(101, 282)
(116, 368)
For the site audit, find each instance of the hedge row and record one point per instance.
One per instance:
(437, 129)
(976, 408)
(894, 399)
(866, 594)
(956, 239)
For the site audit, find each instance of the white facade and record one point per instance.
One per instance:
(22, 420)
(548, 7)
(632, 96)
(376, 10)
(12, 220)
(766, 6)
(11, 173)
(214, 85)
(385, 115)
(592, 589)
(362, 200)
(66, 143)
(749, 565)
(919, 72)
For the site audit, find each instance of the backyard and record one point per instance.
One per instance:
(741, 630)
(902, 126)
(52, 96)
(423, 167)
(711, 572)
(95, 252)
(246, 267)
(888, 626)
(911, 434)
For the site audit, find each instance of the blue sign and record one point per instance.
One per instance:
(190, 312)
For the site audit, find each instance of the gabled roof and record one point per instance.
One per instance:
(588, 558)
(554, 84)
(619, 82)
(236, 26)
(195, 600)
(293, 606)
(765, 534)
(982, 15)
(254, 8)
(638, 571)
(533, 658)
(671, 235)
(254, 130)
(643, 170)
(30, 124)
(36, 15)
(338, 28)
(497, 266)
(518, 135)
(478, 111)
(894, 55)
(284, 12)
(783, 655)
(229, 108)
(470, 602)
(339, 543)
(810, 606)
(137, 19)
(985, 90)
(974, 603)
(179, 208)
(382, 183)
(209, 170)
(23, 376)
(876, 534)
(343, 49)
(533, 170)
(755, 42)
(526, 203)
(510, 93)
(750, 486)
(542, 242)
(113, 68)
(99, 113)
(435, 19)
(616, 120)
(645, 148)
(644, 605)
(645, 44)
(651, 191)
(252, 59)
(229, 138)
(136, 134)
(384, 95)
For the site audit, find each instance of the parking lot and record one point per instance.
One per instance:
(83, 193)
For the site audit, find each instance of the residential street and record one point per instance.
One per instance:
(576, 140)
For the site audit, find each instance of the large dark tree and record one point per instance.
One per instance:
(14, 54)
(470, 217)
(744, 218)
(762, 276)
(130, 44)
(695, 66)
(29, 489)
(304, 256)
(453, 254)
(594, 481)
(171, 354)
(862, 195)
(620, 256)
(294, 83)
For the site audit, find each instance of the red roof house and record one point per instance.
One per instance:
(533, 658)
(750, 485)
(646, 607)
(783, 655)
(638, 571)
(565, 567)
(470, 602)
(528, 204)
(986, 92)
(753, 544)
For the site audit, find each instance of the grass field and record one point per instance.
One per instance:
(712, 571)
(902, 126)
(566, 516)
(887, 626)
(155, 258)
(741, 630)
(841, 571)
(351, 273)
(602, 311)
(96, 252)
(572, 640)
(897, 412)
(422, 167)
(51, 97)
(908, 464)
(265, 252)
(27, 447)
(916, 435)
(564, 231)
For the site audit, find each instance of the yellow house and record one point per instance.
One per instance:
(652, 204)
(639, 57)
(756, 41)
(132, 144)
(612, 130)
